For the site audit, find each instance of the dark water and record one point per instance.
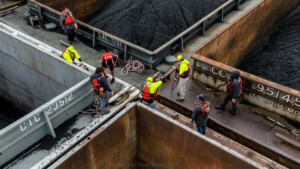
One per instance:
(151, 23)
(277, 58)
(9, 113)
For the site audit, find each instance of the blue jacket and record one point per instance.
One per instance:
(235, 84)
(101, 80)
(197, 115)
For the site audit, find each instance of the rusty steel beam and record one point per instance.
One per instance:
(258, 91)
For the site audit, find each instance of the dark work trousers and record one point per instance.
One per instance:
(228, 98)
(71, 34)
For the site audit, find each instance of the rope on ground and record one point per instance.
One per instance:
(132, 66)
(92, 109)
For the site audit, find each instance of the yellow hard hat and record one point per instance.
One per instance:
(149, 80)
(179, 57)
(71, 49)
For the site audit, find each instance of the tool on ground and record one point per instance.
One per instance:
(288, 140)
(290, 130)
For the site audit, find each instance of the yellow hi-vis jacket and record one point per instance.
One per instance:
(183, 66)
(70, 56)
(154, 86)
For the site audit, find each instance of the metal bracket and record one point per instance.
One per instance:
(181, 44)
(125, 52)
(237, 6)
(94, 38)
(221, 19)
(203, 29)
(49, 125)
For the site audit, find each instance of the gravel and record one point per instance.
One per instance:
(277, 58)
(151, 23)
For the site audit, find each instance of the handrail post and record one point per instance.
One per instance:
(237, 6)
(221, 15)
(94, 38)
(181, 44)
(125, 52)
(203, 29)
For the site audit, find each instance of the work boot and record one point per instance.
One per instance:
(112, 81)
(220, 107)
(179, 99)
(232, 112)
(107, 111)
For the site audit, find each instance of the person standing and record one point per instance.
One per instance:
(149, 92)
(200, 114)
(68, 23)
(101, 88)
(234, 86)
(109, 59)
(183, 71)
(70, 54)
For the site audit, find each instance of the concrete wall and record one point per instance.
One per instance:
(139, 137)
(30, 75)
(235, 41)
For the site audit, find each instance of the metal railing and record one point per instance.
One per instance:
(149, 58)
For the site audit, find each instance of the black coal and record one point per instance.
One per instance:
(277, 58)
(151, 23)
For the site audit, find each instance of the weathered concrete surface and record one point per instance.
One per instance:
(82, 9)
(156, 141)
(246, 128)
(30, 76)
(233, 42)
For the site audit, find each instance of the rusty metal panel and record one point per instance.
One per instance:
(140, 137)
(112, 146)
(230, 44)
(258, 91)
(83, 10)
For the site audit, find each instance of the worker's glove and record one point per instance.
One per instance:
(80, 60)
(161, 79)
(233, 100)
(80, 64)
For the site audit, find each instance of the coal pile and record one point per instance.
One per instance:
(277, 58)
(151, 23)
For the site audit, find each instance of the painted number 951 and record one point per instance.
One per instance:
(277, 94)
